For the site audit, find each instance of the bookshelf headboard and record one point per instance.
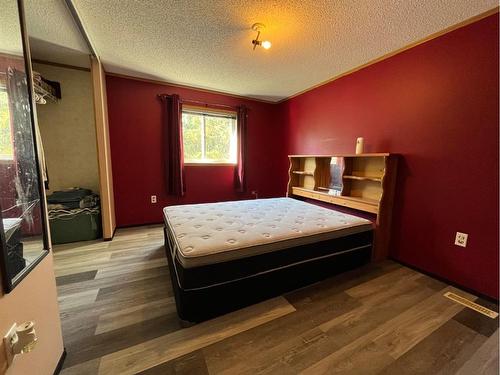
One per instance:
(364, 182)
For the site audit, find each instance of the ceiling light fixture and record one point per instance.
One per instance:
(258, 27)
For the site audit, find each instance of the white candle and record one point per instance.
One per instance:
(359, 145)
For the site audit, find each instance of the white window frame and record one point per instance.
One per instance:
(204, 112)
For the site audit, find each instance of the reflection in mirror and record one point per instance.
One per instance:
(63, 88)
(22, 225)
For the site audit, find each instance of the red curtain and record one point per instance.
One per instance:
(239, 170)
(174, 152)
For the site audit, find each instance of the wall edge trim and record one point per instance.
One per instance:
(60, 363)
(59, 65)
(167, 83)
(446, 281)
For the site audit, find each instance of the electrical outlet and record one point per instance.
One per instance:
(255, 193)
(8, 341)
(461, 239)
(153, 199)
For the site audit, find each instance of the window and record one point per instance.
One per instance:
(6, 146)
(209, 137)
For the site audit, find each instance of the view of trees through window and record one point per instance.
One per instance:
(208, 138)
(6, 150)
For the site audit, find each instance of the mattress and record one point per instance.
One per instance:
(211, 233)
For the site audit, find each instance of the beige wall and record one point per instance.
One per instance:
(103, 148)
(35, 298)
(68, 130)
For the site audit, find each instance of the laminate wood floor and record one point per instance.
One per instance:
(118, 317)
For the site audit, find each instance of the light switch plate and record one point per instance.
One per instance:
(461, 239)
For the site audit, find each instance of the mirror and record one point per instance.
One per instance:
(64, 96)
(22, 225)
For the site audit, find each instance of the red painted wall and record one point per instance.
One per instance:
(437, 105)
(136, 136)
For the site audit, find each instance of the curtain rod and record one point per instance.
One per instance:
(205, 104)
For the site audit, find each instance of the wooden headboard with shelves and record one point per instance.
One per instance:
(364, 182)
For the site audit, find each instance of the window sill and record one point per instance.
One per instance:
(209, 164)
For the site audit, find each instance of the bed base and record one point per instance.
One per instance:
(199, 304)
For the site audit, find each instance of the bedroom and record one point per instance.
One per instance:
(337, 254)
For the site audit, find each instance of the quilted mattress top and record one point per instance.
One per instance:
(209, 233)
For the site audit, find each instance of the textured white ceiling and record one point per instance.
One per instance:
(51, 21)
(207, 43)
(54, 35)
(10, 31)
(46, 51)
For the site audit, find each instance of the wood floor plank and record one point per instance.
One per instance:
(408, 329)
(70, 250)
(75, 278)
(381, 283)
(339, 283)
(309, 343)
(432, 283)
(118, 317)
(103, 282)
(485, 360)
(130, 248)
(368, 359)
(129, 290)
(108, 305)
(179, 343)
(135, 314)
(121, 270)
(343, 330)
(315, 304)
(83, 267)
(105, 261)
(76, 328)
(479, 322)
(86, 297)
(85, 368)
(382, 306)
(252, 350)
(82, 260)
(442, 352)
(151, 252)
(94, 346)
(189, 364)
(398, 335)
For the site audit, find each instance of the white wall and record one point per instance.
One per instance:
(68, 130)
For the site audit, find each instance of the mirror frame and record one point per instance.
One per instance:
(10, 283)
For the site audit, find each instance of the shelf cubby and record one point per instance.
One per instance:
(362, 182)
